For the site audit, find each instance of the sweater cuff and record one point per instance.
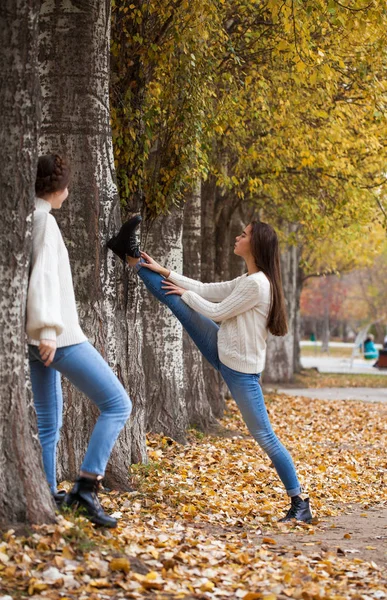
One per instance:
(48, 333)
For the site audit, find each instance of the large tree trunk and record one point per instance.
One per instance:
(74, 50)
(214, 384)
(24, 493)
(198, 407)
(163, 336)
(280, 350)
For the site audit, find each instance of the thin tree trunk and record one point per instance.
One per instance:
(297, 323)
(74, 50)
(198, 407)
(325, 334)
(163, 336)
(24, 493)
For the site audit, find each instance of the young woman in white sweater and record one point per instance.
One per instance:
(57, 345)
(246, 308)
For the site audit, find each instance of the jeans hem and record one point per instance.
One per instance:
(294, 492)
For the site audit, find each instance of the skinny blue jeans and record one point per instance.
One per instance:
(245, 388)
(85, 368)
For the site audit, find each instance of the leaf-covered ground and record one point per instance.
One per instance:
(202, 522)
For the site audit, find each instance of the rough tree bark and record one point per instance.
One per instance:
(24, 493)
(280, 350)
(74, 58)
(214, 384)
(198, 407)
(163, 336)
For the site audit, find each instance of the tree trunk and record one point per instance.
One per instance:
(325, 335)
(24, 493)
(214, 384)
(198, 407)
(280, 350)
(163, 336)
(74, 50)
(297, 323)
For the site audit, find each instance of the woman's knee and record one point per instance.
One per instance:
(119, 407)
(268, 441)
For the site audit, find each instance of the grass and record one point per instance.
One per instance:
(311, 378)
(333, 351)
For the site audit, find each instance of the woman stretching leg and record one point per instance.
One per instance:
(247, 307)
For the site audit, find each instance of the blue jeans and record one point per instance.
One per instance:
(85, 368)
(244, 387)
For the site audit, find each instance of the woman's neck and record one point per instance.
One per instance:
(251, 266)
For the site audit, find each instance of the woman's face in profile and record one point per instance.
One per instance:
(242, 246)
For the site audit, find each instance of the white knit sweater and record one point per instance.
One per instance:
(51, 308)
(242, 307)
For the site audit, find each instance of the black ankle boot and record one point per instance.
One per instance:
(59, 497)
(299, 510)
(125, 242)
(84, 495)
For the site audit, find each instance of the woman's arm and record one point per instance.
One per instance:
(44, 319)
(213, 292)
(242, 299)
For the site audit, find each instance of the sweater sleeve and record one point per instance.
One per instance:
(244, 297)
(44, 320)
(214, 292)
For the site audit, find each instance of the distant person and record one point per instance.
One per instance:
(369, 350)
(385, 343)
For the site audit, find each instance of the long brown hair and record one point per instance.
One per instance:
(265, 249)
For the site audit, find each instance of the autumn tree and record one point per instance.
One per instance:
(74, 56)
(279, 107)
(24, 494)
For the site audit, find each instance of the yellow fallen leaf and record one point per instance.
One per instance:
(267, 540)
(347, 536)
(99, 583)
(68, 552)
(208, 586)
(36, 586)
(120, 564)
(252, 596)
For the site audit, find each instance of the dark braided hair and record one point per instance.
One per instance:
(53, 174)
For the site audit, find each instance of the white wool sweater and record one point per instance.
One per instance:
(51, 308)
(242, 307)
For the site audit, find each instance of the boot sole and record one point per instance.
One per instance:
(76, 505)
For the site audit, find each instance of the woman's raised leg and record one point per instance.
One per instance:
(203, 331)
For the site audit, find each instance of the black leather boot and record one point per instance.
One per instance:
(59, 497)
(299, 510)
(125, 242)
(84, 495)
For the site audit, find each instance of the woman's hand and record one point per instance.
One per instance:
(151, 264)
(172, 288)
(47, 349)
